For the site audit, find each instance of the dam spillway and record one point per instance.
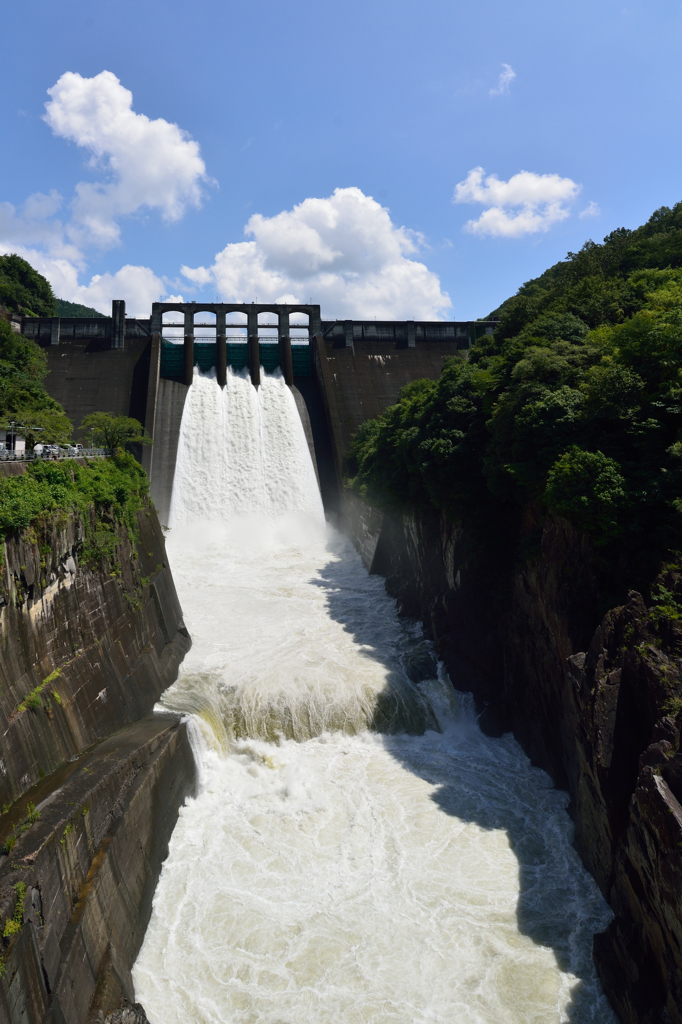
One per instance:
(358, 851)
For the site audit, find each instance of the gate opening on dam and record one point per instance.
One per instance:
(218, 335)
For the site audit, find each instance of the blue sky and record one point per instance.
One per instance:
(277, 105)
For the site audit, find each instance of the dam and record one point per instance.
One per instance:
(342, 371)
(357, 850)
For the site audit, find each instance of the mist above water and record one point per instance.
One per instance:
(358, 851)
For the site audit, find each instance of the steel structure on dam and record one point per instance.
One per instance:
(342, 372)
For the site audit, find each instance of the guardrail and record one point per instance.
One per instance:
(89, 453)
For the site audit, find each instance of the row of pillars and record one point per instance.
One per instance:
(286, 361)
(285, 357)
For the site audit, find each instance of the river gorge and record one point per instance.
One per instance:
(357, 849)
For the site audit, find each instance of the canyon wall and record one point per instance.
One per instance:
(91, 782)
(597, 704)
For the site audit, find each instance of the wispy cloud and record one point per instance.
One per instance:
(591, 210)
(507, 76)
(526, 204)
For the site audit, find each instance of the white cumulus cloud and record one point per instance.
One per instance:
(152, 164)
(145, 163)
(507, 76)
(526, 204)
(343, 251)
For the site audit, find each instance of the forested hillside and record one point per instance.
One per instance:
(64, 308)
(23, 290)
(574, 406)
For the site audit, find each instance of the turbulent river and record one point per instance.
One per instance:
(358, 852)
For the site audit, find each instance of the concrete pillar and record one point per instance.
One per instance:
(411, 334)
(314, 322)
(118, 323)
(221, 348)
(254, 360)
(189, 346)
(286, 363)
(286, 360)
(156, 321)
(55, 327)
(348, 333)
(254, 350)
(152, 395)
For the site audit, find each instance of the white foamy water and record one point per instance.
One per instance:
(327, 872)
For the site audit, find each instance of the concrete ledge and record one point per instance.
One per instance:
(90, 865)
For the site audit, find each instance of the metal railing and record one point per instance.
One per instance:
(48, 456)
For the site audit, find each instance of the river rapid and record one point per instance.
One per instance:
(357, 851)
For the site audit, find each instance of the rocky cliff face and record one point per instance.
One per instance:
(595, 704)
(91, 782)
(89, 637)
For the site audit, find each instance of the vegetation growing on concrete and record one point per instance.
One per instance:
(113, 490)
(33, 700)
(574, 406)
(32, 816)
(13, 924)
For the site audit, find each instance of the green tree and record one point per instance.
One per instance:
(114, 431)
(22, 353)
(589, 489)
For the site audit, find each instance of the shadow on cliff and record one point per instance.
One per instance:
(490, 783)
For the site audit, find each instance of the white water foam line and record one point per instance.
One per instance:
(326, 872)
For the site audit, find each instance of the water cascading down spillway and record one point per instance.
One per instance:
(358, 851)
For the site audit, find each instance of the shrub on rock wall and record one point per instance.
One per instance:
(113, 489)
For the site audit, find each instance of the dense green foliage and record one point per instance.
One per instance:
(64, 308)
(573, 405)
(23, 290)
(114, 431)
(114, 489)
(23, 396)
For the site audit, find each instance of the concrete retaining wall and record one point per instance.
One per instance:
(165, 429)
(90, 864)
(84, 377)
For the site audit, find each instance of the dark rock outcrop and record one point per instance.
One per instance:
(594, 703)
